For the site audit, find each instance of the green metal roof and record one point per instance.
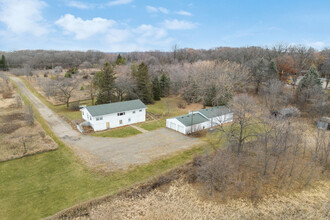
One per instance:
(115, 107)
(215, 111)
(191, 119)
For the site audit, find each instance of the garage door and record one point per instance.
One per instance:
(172, 125)
(180, 129)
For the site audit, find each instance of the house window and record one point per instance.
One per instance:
(140, 110)
(83, 113)
(121, 113)
(90, 117)
(120, 122)
(99, 118)
(129, 120)
(133, 112)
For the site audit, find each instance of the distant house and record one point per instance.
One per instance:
(199, 120)
(324, 123)
(112, 115)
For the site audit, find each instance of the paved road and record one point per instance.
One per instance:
(112, 153)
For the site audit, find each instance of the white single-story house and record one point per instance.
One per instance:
(199, 120)
(112, 115)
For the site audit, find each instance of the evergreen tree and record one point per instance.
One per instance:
(105, 81)
(120, 60)
(310, 79)
(164, 85)
(209, 96)
(156, 88)
(272, 70)
(144, 84)
(3, 64)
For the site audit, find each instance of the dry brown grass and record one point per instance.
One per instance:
(181, 201)
(17, 139)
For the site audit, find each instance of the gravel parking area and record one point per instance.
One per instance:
(113, 153)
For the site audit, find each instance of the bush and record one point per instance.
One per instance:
(29, 115)
(182, 105)
(82, 88)
(8, 93)
(74, 106)
(46, 75)
(9, 128)
(67, 75)
(85, 76)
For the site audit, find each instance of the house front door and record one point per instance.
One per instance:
(108, 124)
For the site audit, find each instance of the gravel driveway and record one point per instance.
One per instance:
(113, 153)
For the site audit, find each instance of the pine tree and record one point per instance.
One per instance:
(272, 70)
(3, 64)
(164, 85)
(156, 88)
(105, 81)
(144, 84)
(120, 60)
(310, 79)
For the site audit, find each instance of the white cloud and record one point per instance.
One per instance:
(179, 25)
(23, 16)
(163, 10)
(319, 45)
(152, 9)
(185, 13)
(84, 29)
(79, 5)
(119, 2)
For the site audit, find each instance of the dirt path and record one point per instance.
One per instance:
(112, 153)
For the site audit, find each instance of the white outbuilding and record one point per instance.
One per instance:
(112, 115)
(199, 120)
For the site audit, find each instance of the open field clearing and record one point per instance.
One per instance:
(43, 184)
(20, 134)
(181, 201)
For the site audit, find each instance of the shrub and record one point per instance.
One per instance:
(29, 115)
(8, 93)
(67, 75)
(9, 128)
(74, 106)
(85, 76)
(182, 105)
(82, 88)
(46, 75)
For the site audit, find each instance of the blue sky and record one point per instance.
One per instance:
(130, 25)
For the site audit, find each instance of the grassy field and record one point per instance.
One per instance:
(41, 185)
(153, 125)
(118, 132)
(167, 107)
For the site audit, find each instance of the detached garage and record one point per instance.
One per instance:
(202, 119)
(188, 123)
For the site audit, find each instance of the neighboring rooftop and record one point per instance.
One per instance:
(192, 119)
(215, 111)
(115, 107)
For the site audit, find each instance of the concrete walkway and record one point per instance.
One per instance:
(112, 153)
(140, 129)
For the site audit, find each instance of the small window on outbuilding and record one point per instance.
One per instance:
(121, 113)
(133, 112)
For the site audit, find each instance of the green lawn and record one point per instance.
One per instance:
(41, 185)
(167, 107)
(153, 125)
(118, 132)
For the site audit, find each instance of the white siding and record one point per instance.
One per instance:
(174, 124)
(114, 119)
